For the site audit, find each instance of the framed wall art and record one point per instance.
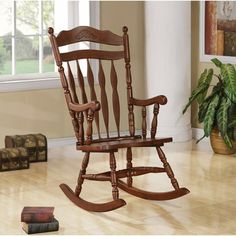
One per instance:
(218, 31)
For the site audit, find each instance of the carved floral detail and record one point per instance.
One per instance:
(86, 34)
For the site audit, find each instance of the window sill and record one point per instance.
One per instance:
(29, 84)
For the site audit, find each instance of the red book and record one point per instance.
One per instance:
(37, 214)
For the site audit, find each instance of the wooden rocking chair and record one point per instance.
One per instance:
(90, 109)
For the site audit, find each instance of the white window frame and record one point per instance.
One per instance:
(48, 80)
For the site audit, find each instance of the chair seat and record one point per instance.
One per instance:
(102, 146)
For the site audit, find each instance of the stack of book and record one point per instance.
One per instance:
(38, 220)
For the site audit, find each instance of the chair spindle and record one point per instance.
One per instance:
(89, 131)
(129, 81)
(93, 94)
(81, 83)
(144, 122)
(104, 103)
(154, 120)
(115, 97)
(72, 84)
(81, 173)
(129, 166)
(115, 192)
(79, 115)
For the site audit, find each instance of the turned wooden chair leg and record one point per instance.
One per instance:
(167, 168)
(129, 166)
(81, 173)
(115, 191)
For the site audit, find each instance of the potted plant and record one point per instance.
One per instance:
(217, 106)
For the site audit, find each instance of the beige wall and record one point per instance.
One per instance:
(45, 111)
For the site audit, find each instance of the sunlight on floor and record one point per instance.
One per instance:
(210, 208)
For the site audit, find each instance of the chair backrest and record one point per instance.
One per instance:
(89, 34)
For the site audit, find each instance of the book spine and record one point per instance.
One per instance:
(43, 227)
(36, 218)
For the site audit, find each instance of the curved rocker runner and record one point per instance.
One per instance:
(90, 108)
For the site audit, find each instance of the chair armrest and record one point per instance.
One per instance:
(161, 99)
(94, 106)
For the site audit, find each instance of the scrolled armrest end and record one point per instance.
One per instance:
(163, 99)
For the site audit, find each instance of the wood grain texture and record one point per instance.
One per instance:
(89, 206)
(111, 145)
(81, 173)
(168, 168)
(161, 99)
(159, 196)
(129, 82)
(89, 130)
(115, 192)
(86, 33)
(108, 145)
(129, 166)
(104, 102)
(115, 97)
(81, 83)
(72, 84)
(92, 54)
(154, 120)
(93, 95)
(144, 122)
(80, 118)
(124, 173)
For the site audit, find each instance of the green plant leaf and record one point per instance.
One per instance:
(200, 92)
(203, 109)
(204, 81)
(229, 79)
(210, 115)
(230, 133)
(201, 138)
(222, 115)
(230, 95)
(204, 105)
(194, 95)
(217, 62)
(228, 141)
(232, 124)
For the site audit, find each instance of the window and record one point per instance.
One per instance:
(25, 50)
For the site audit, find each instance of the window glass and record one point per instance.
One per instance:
(27, 17)
(27, 55)
(48, 59)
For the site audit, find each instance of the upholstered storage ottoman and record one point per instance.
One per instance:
(14, 159)
(36, 145)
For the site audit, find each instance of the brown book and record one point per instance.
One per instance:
(32, 228)
(37, 214)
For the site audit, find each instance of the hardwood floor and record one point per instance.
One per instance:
(210, 208)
